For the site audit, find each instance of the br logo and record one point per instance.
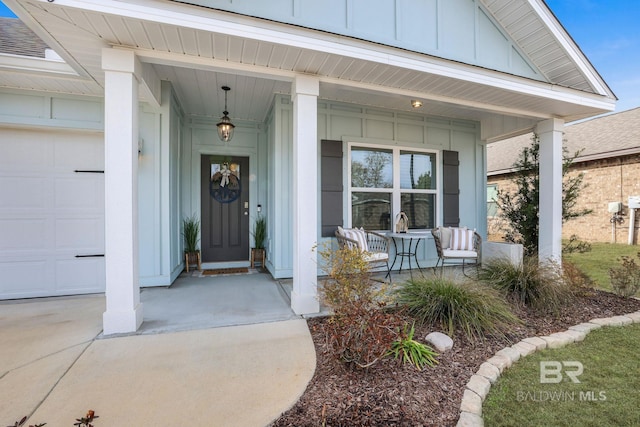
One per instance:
(551, 371)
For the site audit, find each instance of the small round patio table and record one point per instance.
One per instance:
(410, 251)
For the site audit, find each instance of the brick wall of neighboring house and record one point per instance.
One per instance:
(607, 180)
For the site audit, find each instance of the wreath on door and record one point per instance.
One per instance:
(225, 185)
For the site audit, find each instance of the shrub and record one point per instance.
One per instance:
(625, 278)
(412, 351)
(535, 285)
(578, 282)
(362, 335)
(474, 310)
(576, 245)
(360, 332)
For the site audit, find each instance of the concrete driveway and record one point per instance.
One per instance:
(54, 366)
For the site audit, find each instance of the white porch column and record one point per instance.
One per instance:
(550, 237)
(304, 297)
(124, 310)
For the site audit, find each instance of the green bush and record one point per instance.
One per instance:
(190, 231)
(412, 351)
(539, 286)
(475, 310)
(625, 278)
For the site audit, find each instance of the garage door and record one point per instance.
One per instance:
(51, 213)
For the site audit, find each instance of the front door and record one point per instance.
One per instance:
(225, 208)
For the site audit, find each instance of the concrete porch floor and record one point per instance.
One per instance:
(195, 301)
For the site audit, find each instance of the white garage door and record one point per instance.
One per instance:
(51, 213)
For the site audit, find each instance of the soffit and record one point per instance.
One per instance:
(256, 68)
(539, 34)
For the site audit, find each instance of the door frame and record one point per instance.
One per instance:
(196, 187)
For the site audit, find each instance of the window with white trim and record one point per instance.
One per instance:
(385, 180)
(492, 197)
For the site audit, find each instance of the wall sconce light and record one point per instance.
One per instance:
(416, 103)
(225, 127)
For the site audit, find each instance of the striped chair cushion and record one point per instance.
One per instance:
(359, 235)
(461, 239)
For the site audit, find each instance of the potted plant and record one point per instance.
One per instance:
(190, 231)
(259, 234)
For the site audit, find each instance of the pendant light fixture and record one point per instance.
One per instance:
(225, 127)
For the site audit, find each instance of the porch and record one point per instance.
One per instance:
(197, 301)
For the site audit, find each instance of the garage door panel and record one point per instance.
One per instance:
(25, 277)
(80, 234)
(80, 275)
(49, 213)
(22, 234)
(80, 192)
(88, 155)
(20, 152)
(23, 193)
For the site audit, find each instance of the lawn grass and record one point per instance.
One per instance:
(607, 394)
(599, 260)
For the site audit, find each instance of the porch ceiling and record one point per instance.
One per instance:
(199, 50)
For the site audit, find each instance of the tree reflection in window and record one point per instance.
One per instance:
(371, 168)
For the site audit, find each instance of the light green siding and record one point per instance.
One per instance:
(371, 126)
(460, 30)
(55, 111)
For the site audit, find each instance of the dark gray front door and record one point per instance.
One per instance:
(225, 208)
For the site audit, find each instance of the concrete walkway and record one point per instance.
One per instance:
(54, 367)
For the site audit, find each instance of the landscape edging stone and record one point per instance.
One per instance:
(501, 362)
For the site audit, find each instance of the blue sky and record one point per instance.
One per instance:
(606, 31)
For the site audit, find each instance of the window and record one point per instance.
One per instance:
(384, 181)
(492, 195)
(371, 188)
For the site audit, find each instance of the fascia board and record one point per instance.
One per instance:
(571, 48)
(37, 65)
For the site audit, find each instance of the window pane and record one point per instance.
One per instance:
(420, 209)
(417, 170)
(492, 195)
(372, 211)
(371, 168)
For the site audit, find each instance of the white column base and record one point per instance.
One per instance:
(304, 304)
(122, 322)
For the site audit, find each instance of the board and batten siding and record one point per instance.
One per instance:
(461, 30)
(371, 126)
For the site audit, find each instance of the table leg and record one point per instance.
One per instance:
(415, 255)
(395, 251)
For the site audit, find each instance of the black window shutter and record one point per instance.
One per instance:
(331, 186)
(450, 189)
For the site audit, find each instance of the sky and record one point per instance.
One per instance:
(605, 30)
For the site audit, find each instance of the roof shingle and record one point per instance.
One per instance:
(18, 39)
(602, 137)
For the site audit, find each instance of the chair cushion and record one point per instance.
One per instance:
(449, 253)
(375, 256)
(461, 239)
(445, 237)
(359, 235)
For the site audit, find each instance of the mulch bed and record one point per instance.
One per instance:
(390, 394)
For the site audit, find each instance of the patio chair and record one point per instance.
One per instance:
(456, 246)
(374, 246)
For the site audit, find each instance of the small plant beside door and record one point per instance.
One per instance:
(259, 234)
(190, 231)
